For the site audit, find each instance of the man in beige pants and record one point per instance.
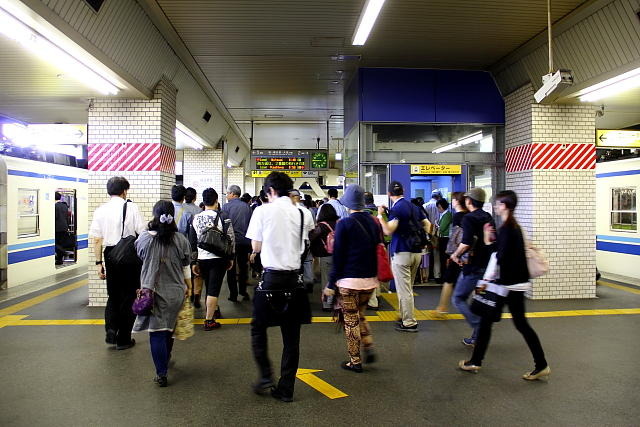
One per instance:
(405, 219)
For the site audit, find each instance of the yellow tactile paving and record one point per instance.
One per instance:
(41, 298)
(8, 318)
(620, 287)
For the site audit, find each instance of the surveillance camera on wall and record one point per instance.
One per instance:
(552, 84)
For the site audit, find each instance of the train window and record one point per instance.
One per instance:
(28, 216)
(624, 215)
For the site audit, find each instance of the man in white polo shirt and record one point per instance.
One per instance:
(107, 228)
(280, 299)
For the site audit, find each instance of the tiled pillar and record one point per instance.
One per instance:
(235, 176)
(132, 138)
(202, 169)
(550, 164)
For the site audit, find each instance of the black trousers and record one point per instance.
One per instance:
(238, 276)
(122, 284)
(290, 330)
(515, 301)
(442, 246)
(62, 241)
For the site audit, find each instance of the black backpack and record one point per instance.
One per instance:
(216, 240)
(416, 237)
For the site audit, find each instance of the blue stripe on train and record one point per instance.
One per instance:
(623, 239)
(620, 248)
(619, 173)
(45, 176)
(45, 251)
(29, 254)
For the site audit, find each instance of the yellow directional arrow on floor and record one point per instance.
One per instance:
(307, 376)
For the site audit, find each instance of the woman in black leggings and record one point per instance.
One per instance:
(512, 263)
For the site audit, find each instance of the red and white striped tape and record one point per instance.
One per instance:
(131, 157)
(551, 156)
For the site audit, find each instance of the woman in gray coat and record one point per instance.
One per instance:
(166, 257)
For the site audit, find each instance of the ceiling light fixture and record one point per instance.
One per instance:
(474, 137)
(367, 20)
(273, 116)
(184, 136)
(610, 87)
(338, 156)
(50, 52)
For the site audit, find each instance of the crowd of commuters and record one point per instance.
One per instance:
(280, 233)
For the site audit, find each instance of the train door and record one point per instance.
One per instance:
(66, 218)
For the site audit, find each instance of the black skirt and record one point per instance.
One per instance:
(281, 298)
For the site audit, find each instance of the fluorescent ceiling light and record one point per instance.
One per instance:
(474, 137)
(48, 51)
(338, 156)
(367, 19)
(610, 87)
(184, 136)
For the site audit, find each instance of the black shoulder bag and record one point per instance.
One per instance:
(124, 252)
(216, 240)
(417, 238)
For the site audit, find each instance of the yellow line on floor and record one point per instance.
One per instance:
(307, 376)
(619, 287)
(383, 316)
(41, 298)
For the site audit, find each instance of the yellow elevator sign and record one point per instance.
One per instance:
(436, 169)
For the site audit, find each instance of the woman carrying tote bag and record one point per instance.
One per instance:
(166, 257)
(513, 274)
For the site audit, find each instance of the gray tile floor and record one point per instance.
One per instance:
(66, 375)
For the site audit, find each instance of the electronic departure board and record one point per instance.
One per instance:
(289, 160)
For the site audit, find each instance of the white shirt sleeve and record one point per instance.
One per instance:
(96, 225)
(254, 231)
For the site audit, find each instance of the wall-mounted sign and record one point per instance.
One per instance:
(618, 138)
(436, 169)
(351, 174)
(289, 160)
(292, 174)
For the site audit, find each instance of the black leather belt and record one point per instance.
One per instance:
(271, 270)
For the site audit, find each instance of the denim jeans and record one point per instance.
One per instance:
(464, 286)
(161, 346)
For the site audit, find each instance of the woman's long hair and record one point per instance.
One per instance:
(458, 196)
(163, 221)
(327, 213)
(510, 200)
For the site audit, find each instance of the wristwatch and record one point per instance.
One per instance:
(98, 262)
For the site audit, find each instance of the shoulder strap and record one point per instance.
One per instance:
(301, 228)
(124, 216)
(327, 224)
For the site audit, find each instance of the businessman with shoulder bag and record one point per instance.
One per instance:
(114, 228)
(276, 233)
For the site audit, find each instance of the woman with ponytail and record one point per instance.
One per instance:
(514, 275)
(166, 257)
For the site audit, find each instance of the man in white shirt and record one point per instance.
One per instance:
(107, 228)
(277, 232)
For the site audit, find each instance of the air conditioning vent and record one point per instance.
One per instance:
(207, 116)
(237, 149)
(95, 4)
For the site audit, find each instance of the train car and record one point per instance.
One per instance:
(618, 239)
(30, 247)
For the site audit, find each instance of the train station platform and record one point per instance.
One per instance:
(57, 369)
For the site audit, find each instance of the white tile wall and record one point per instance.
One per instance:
(130, 121)
(556, 207)
(235, 176)
(203, 169)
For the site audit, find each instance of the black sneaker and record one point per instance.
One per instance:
(369, 355)
(400, 327)
(126, 346)
(210, 325)
(355, 367)
(277, 394)
(263, 386)
(161, 381)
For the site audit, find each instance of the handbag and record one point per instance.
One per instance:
(124, 252)
(537, 263)
(384, 273)
(455, 237)
(489, 302)
(492, 272)
(184, 325)
(216, 241)
(143, 304)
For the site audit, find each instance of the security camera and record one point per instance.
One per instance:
(553, 83)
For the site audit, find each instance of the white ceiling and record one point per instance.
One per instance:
(280, 56)
(33, 91)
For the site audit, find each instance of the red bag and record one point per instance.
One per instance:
(384, 268)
